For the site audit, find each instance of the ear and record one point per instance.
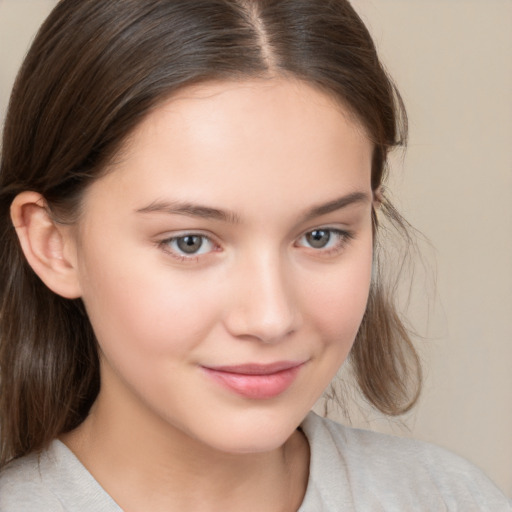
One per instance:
(49, 247)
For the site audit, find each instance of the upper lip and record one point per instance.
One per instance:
(256, 368)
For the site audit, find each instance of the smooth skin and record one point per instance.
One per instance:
(233, 228)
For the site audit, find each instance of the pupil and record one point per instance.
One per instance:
(318, 238)
(190, 244)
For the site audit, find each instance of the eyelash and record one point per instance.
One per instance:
(343, 237)
(192, 257)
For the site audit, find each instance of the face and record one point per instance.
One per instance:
(225, 261)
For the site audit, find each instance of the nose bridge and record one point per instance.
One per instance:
(264, 303)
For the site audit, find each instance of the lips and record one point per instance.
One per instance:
(256, 381)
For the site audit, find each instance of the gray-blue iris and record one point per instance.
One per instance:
(318, 238)
(189, 244)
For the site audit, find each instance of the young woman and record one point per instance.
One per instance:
(189, 202)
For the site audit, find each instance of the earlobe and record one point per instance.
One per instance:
(46, 244)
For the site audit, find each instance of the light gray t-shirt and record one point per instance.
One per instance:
(350, 470)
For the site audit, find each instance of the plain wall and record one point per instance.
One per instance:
(452, 62)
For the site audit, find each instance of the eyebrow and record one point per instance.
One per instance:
(337, 204)
(190, 209)
(207, 212)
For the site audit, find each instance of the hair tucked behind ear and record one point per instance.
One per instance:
(95, 69)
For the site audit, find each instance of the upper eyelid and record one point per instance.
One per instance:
(332, 221)
(333, 229)
(210, 239)
(215, 239)
(339, 231)
(183, 233)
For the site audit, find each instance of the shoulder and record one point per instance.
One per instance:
(380, 469)
(52, 481)
(22, 487)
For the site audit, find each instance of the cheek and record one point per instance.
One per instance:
(338, 298)
(336, 302)
(134, 306)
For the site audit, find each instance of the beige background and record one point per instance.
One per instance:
(452, 61)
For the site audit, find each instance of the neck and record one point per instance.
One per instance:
(145, 463)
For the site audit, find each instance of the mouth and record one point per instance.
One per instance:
(256, 381)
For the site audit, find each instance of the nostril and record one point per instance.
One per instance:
(264, 305)
(268, 321)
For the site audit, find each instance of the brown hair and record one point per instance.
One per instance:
(94, 71)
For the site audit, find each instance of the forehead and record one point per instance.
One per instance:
(236, 141)
(252, 113)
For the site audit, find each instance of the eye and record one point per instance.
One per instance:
(318, 239)
(324, 239)
(189, 245)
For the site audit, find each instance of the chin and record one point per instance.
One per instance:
(252, 432)
(256, 442)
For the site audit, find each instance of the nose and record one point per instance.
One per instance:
(263, 305)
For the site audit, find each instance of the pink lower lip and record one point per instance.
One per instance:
(253, 385)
